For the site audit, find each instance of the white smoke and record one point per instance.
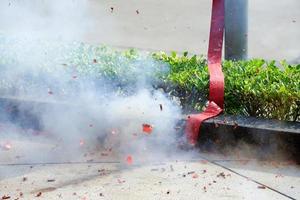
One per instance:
(43, 60)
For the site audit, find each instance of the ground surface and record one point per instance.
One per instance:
(205, 176)
(274, 30)
(181, 25)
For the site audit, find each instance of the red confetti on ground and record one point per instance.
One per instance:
(81, 142)
(104, 154)
(261, 187)
(114, 131)
(121, 181)
(38, 194)
(203, 162)
(147, 128)
(195, 175)
(279, 176)
(129, 160)
(7, 146)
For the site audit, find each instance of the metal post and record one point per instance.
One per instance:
(236, 29)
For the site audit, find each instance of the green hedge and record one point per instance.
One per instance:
(252, 88)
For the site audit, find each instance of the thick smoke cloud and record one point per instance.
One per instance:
(40, 48)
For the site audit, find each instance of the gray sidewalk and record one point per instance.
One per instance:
(274, 26)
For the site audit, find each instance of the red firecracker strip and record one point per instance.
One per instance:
(216, 77)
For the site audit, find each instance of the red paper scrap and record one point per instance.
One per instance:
(147, 128)
(129, 160)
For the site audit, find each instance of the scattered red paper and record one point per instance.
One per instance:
(195, 175)
(121, 181)
(5, 197)
(104, 154)
(279, 176)
(81, 142)
(261, 187)
(114, 131)
(129, 160)
(203, 162)
(147, 128)
(39, 194)
(7, 146)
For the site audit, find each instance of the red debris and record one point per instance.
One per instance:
(216, 125)
(38, 194)
(114, 131)
(129, 160)
(121, 181)
(261, 187)
(6, 146)
(81, 142)
(235, 125)
(203, 161)
(279, 175)
(222, 174)
(147, 128)
(104, 154)
(195, 175)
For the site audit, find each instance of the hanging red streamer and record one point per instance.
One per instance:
(216, 77)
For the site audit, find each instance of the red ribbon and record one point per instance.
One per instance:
(216, 77)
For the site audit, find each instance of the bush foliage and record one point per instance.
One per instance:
(253, 88)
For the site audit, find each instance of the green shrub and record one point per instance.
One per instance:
(253, 88)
